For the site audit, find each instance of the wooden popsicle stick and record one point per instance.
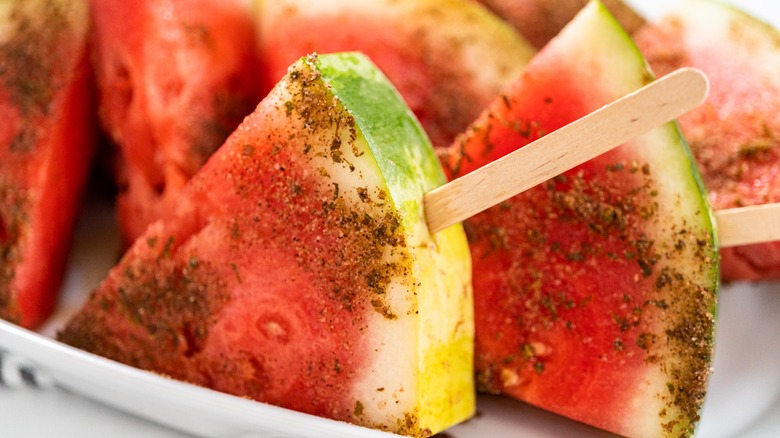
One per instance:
(746, 225)
(606, 128)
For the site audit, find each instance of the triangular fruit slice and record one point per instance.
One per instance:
(297, 268)
(595, 292)
(539, 21)
(448, 58)
(46, 145)
(735, 134)
(174, 79)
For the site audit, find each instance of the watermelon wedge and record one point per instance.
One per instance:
(297, 268)
(46, 146)
(539, 21)
(175, 78)
(595, 292)
(735, 134)
(448, 58)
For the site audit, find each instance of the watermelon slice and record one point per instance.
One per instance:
(735, 134)
(541, 20)
(46, 146)
(448, 58)
(175, 78)
(595, 292)
(297, 268)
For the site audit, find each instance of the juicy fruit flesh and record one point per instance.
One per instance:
(594, 292)
(733, 135)
(730, 134)
(589, 291)
(46, 146)
(448, 58)
(174, 79)
(291, 273)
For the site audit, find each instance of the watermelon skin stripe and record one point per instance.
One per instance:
(297, 270)
(595, 293)
(410, 172)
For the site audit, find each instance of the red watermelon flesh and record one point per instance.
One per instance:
(539, 21)
(46, 146)
(175, 78)
(595, 292)
(734, 134)
(448, 58)
(296, 268)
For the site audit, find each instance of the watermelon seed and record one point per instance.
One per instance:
(4, 234)
(235, 271)
(507, 103)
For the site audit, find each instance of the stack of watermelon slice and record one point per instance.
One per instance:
(295, 267)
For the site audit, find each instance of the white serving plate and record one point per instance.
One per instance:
(81, 395)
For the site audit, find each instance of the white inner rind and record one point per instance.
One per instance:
(421, 361)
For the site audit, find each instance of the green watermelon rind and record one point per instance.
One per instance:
(690, 162)
(447, 57)
(685, 151)
(731, 132)
(689, 171)
(410, 172)
(680, 227)
(410, 168)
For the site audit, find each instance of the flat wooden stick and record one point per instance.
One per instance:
(652, 105)
(746, 225)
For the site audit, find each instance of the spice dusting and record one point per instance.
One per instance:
(294, 215)
(29, 75)
(13, 205)
(593, 243)
(365, 232)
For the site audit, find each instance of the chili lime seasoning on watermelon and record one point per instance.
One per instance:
(297, 268)
(734, 135)
(594, 293)
(447, 58)
(46, 145)
(175, 78)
